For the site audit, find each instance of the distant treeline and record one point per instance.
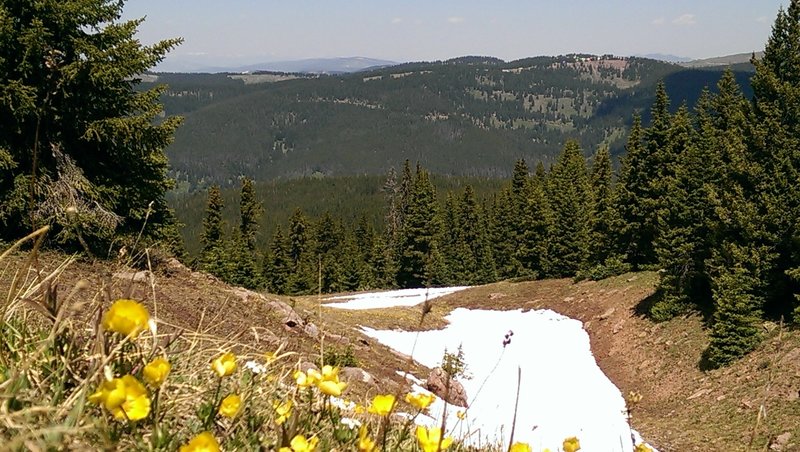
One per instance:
(468, 117)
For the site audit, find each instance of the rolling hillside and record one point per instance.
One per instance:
(467, 116)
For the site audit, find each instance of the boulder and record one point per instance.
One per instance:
(140, 277)
(311, 330)
(781, 442)
(174, 267)
(453, 394)
(290, 318)
(352, 374)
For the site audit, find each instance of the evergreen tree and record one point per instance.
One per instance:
(419, 258)
(602, 217)
(503, 238)
(473, 242)
(73, 122)
(774, 147)
(211, 237)
(736, 327)
(239, 263)
(394, 208)
(570, 201)
(329, 242)
(632, 242)
(250, 211)
(455, 268)
(304, 267)
(682, 243)
(533, 247)
(278, 264)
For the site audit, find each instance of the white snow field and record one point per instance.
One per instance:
(563, 392)
(390, 299)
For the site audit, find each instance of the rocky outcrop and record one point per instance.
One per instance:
(453, 393)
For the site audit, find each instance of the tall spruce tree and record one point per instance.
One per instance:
(304, 266)
(570, 200)
(633, 240)
(503, 235)
(472, 242)
(601, 240)
(277, 264)
(775, 144)
(682, 243)
(73, 121)
(212, 258)
(533, 246)
(420, 259)
(250, 211)
(736, 327)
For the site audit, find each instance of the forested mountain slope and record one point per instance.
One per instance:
(466, 116)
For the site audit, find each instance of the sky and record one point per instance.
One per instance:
(251, 31)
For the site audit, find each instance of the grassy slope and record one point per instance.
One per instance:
(683, 408)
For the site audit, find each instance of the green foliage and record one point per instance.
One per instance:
(72, 122)
(340, 357)
(212, 234)
(419, 259)
(612, 266)
(570, 201)
(737, 320)
(603, 215)
(249, 212)
(455, 364)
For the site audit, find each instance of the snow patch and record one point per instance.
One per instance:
(563, 392)
(390, 299)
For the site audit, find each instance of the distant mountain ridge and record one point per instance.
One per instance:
(470, 116)
(309, 66)
(727, 60)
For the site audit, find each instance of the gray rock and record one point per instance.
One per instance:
(351, 374)
(781, 442)
(455, 394)
(311, 330)
(607, 314)
(140, 277)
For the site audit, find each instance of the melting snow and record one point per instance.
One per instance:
(390, 299)
(563, 392)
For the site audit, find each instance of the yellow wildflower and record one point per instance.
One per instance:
(127, 317)
(359, 409)
(365, 444)
(461, 414)
(520, 447)
(571, 445)
(305, 380)
(428, 439)
(420, 400)
(155, 372)
(230, 405)
(329, 382)
(382, 404)
(125, 398)
(224, 364)
(642, 447)
(284, 411)
(301, 444)
(204, 442)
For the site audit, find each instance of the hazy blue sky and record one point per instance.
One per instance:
(412, 30)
